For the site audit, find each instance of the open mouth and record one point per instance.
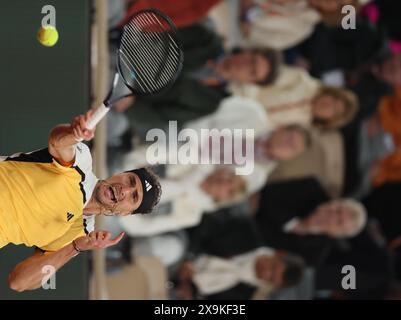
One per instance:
(112, 192)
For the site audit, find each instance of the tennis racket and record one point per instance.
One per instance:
(149, 59)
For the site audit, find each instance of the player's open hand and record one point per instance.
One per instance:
(97, 240)
(79, 127)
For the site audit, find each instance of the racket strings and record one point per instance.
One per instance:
(138, 71)
(128, 65)
(152, 66)
(144, 64)
(173, 43)
(149, 53)
(168, 42)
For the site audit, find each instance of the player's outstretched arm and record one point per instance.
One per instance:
(64, 137)
(28, 274)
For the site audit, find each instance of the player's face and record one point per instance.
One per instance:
(121, 193)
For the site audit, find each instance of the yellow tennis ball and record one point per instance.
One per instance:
(47, 36)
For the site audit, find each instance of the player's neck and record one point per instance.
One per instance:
(92, 208)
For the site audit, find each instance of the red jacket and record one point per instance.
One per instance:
(182, 12)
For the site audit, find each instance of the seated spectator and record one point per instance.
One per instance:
(290, 217)
(262, 270)
(198, 92)
(209, 187)
(287, 100)
(332, 48)
(295, 97)
(324, 160)
(276, 24)
(269, 23)
(379, 78)
(327, 234)
(378, 140)
(333, 108)
(337, 219)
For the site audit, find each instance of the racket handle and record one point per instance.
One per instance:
(97, 116)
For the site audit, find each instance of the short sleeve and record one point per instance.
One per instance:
(83, 157)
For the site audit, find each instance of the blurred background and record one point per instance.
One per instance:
(319, 84)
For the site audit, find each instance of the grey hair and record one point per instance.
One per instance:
(359, 213)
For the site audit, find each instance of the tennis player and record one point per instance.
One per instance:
(49, 198)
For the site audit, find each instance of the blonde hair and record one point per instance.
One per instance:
(351, 107)
(239, 193)
(238, 196)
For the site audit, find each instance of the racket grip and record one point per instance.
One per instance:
(97, 115)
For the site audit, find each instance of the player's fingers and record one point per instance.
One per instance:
(104, 242)
(76, 134)
(93, 237)
(103, 234)
(82, 122)
(100, 235)
(89, 115)
(79, 130)
(106, 236)
(88, 134)
(116, 240)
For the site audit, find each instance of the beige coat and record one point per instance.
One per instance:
(282, 26)
(324, 160)
(214, 274)
(288, 100)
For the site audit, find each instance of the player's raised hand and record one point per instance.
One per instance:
(80, 127)
(97, 240)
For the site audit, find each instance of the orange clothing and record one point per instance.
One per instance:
(390, 119)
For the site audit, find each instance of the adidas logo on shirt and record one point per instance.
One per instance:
(69, 216)
(148, 186)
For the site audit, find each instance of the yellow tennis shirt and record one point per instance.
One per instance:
(41, 201)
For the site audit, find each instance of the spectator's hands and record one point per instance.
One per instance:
(245, 28)
(79, 129)
(374, 169)
(186, 271)
(97, 240)
(185, 275)
(254, 201)
(374, 125)
(184, 291)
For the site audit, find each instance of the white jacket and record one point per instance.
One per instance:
(181, 185)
